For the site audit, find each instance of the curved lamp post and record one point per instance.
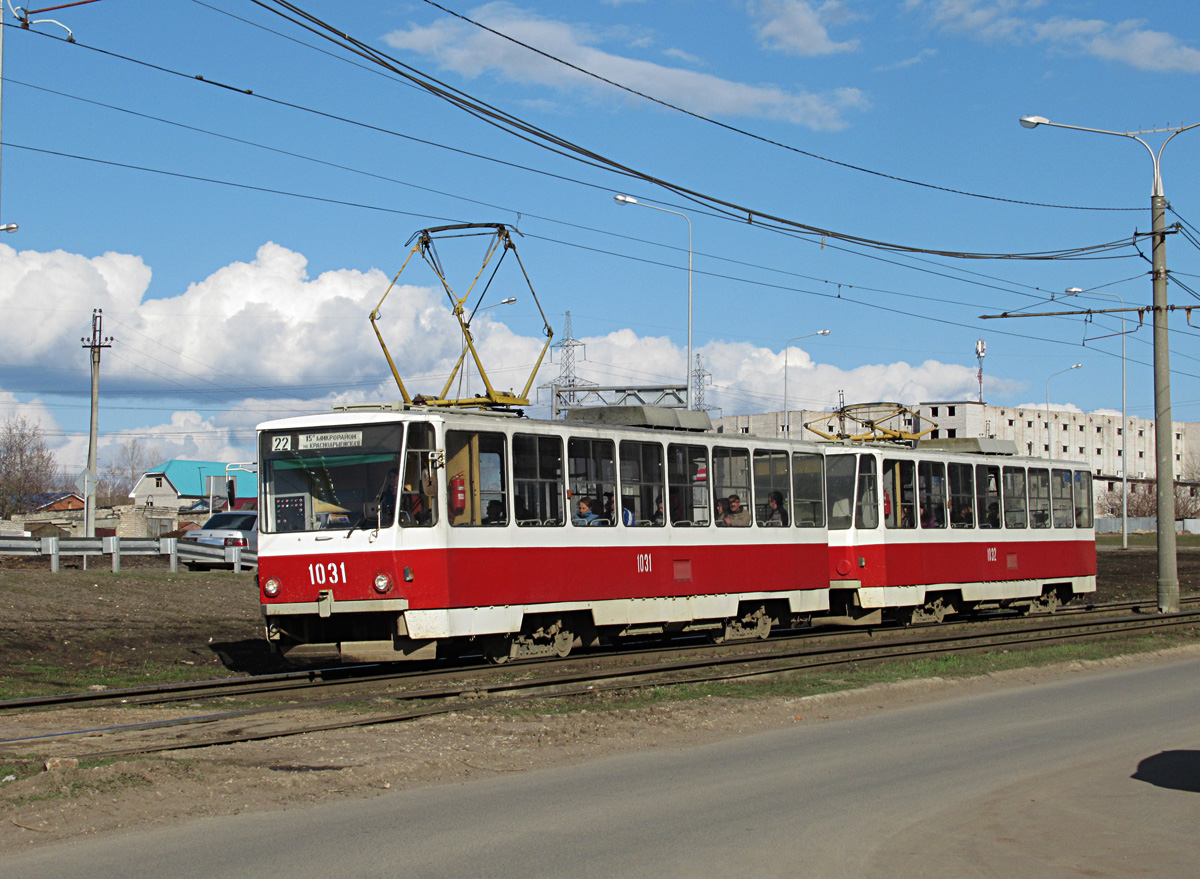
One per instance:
(1049, 439)
(1164, 465)
(466, 366)
(787, 420)
(629, 199)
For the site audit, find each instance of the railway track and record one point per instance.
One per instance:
(398, 697)
(332, 679)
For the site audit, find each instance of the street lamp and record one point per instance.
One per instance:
(1075, 291)
(8, 227)
(507, 301)
(1164, 466)
(1049, 439)
(787, 421)
(629, 199)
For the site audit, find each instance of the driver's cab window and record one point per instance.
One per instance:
(418, 504)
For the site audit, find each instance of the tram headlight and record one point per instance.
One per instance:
(383, 583)
(271, 587)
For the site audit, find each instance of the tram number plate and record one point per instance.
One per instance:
(643, 563)
(331, 573)
(992, 555)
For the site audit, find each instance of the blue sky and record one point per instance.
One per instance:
(237, 241)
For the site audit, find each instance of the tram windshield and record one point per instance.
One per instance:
(330, 478)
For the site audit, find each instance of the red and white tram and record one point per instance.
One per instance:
(399, 532)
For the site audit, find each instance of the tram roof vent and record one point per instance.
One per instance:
(661, 417)
(977, 444)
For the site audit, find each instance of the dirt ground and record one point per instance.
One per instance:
(147, 624)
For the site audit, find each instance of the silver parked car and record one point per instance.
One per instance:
(232, 528)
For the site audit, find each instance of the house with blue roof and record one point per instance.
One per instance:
(181, 484)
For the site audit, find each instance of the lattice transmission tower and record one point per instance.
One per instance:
(700, 378)
(567, 379)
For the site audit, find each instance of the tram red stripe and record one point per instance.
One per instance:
(501, 576)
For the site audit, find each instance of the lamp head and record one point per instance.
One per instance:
(509, 301)
(1077, 365)
(1034, 121)
(625, 199)
(822, 332)
(1073, 291)
(8, 227)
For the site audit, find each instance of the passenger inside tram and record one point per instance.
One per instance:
(584, 514)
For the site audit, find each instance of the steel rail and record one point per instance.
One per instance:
(732, 667)
(370, 674)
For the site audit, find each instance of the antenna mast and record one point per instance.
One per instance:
(980, 352)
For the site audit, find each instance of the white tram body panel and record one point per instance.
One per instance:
(388, 533)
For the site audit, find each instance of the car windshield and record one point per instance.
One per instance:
(329, 478)
(231, 522)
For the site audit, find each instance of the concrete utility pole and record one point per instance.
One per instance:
(95, 344)
(1164, 445)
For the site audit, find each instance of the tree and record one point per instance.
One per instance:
(123, 470)
(1143, 497)
(27, 467)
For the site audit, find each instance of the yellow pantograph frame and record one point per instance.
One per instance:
(870, 416)
(501, 241)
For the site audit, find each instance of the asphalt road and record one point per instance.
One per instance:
(1092, 776)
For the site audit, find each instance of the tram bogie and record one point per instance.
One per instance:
(408, 533)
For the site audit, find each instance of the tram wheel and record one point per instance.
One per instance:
(563, 642)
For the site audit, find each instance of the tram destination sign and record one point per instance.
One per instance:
(340, 440)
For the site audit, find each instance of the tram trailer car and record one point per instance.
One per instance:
(399, 532)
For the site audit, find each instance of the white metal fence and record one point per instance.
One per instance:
(54, 548)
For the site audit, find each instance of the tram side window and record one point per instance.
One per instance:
(538, 481)
(418, 488)
(592, 479)
(1083, 499)
(1039, 498)
(687, 485)
(642, 484)
(987, 487)
(899, 494)
(772, 486)
(931, 487)
(1060, 498)
(867, 511)
(839, 489)
(475, 465)
(808, 490)
(962, 496)
(731, 482)
(1014, 498)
